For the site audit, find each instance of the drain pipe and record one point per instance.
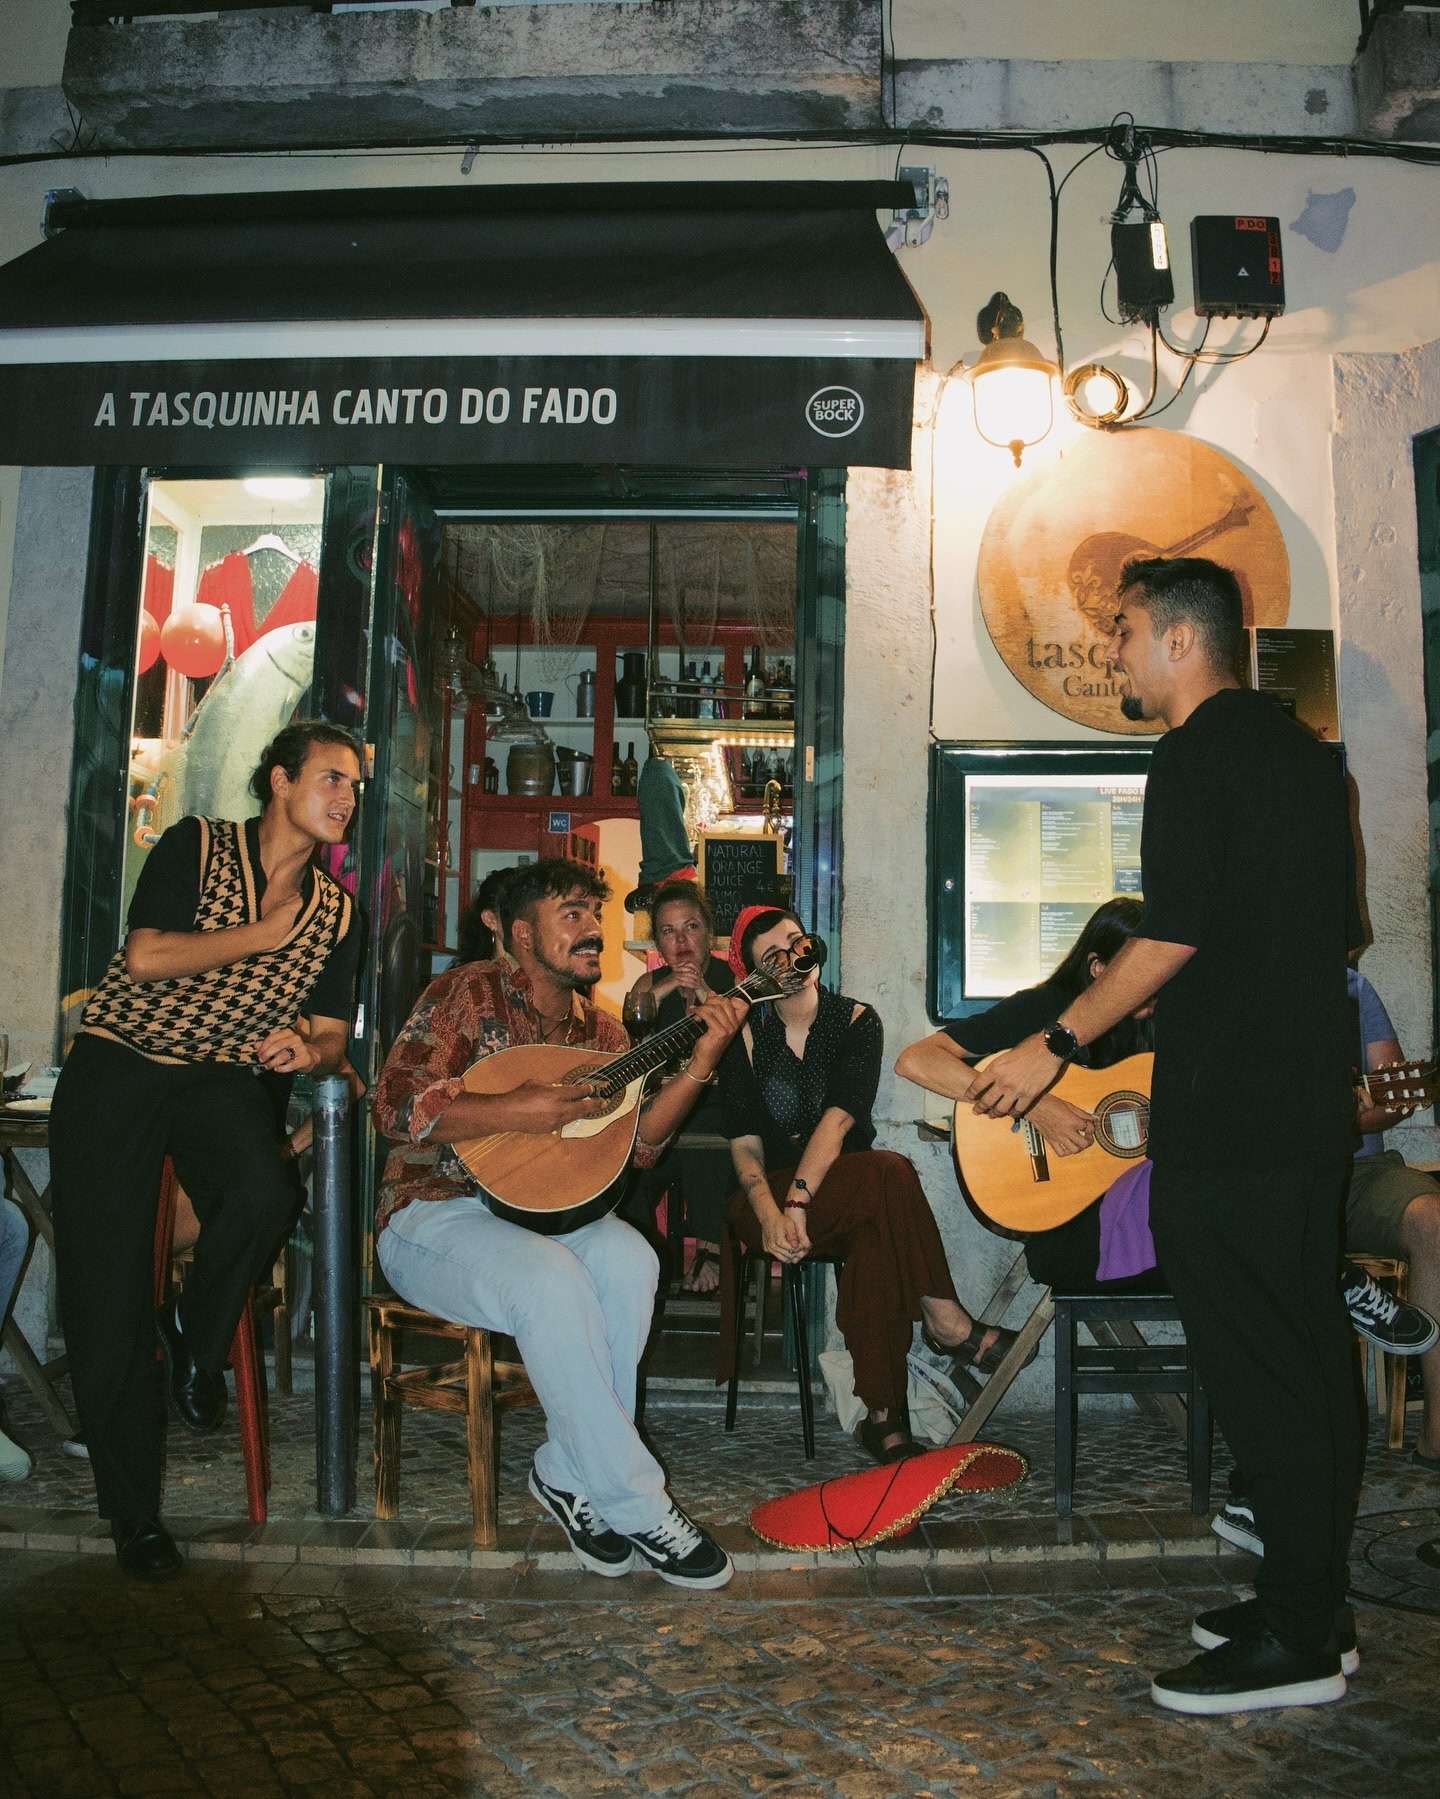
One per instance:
(336, 1372)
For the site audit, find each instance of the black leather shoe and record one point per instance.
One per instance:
(145, 1550)
(1249, 1674)
(197, 1395)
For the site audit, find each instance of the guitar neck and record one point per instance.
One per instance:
(656, 1051)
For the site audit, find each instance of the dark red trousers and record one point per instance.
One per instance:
(871, 1212)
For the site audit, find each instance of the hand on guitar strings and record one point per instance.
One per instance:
(722, 1015)
(1066, 1129)
(545, 1108)
(1016, 1079)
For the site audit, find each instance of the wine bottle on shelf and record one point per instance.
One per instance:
(690, 706)
(754, 686)
(632, 772)
(706, 708)
(617, 773)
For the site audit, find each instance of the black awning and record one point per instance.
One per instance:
(708, 323)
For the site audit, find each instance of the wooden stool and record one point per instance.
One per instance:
(1387, 1367)
(476, 1387)
(245, 1360)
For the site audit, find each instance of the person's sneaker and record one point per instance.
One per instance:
(1245, 1618)
(15, 1462)
(1251, 1673)
(596, 1546)
(1235, 1523)
(76, 1446)
(1391, 1324)
(682, 1553)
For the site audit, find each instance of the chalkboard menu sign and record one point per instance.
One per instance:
(737, 872)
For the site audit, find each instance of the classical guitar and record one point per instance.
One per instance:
(1011, 1174)
(1399, 1086)
(560, 1181)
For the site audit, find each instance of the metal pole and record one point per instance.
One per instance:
(335, 1369)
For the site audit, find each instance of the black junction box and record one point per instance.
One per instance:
(1144, 285)
(1237, 267)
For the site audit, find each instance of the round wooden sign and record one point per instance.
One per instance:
(1054, 546)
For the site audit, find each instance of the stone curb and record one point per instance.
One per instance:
(360, 1543)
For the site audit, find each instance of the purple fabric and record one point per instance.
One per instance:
(1126, 1246)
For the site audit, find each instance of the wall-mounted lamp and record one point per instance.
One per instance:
(1010, 381)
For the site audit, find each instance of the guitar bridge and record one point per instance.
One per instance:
(1035, 1149)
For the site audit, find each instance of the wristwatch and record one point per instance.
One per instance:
(1061, 1041)
(797, 1185)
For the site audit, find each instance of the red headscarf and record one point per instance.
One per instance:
(737, 935)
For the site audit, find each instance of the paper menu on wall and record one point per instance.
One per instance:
(1297, 668)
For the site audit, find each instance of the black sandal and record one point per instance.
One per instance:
(964, 1353)
(704, 1258)
(870, 1434)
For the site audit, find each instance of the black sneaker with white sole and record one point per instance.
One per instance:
(1245, 1618)
(1235, 1523)
(1251, 1673)
(682, 1553)
(1391, 1324)
(596, 1546)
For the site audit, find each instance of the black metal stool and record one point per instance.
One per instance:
(792, 1306)
(1123, 1362)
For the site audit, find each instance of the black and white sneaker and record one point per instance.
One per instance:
(1391, 1324)
(597, 1547)
(1230, 1622)
(1250, 1674)
(1235, 1523)
(682, 1553)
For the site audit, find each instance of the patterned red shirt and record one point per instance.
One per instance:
(467, 1013)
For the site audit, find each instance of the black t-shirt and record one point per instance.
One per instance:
(1246, 855)
(780, 1097)
(167, 895)
(1011, 1021)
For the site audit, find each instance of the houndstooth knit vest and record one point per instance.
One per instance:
(221, 1015)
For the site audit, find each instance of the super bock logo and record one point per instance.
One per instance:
(834, 411)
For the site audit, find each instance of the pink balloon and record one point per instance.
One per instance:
(192, 640)
(149, 643)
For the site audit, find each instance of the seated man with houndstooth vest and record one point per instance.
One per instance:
(236, 974)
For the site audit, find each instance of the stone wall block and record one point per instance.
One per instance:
(1397, 78)
(267, 79)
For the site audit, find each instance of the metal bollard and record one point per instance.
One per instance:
(336, 1374)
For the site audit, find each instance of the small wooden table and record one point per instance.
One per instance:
(19, 1130)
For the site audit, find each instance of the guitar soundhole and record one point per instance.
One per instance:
(603, 1089)
(1122, 1125)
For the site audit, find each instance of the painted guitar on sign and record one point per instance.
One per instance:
(571, 1177)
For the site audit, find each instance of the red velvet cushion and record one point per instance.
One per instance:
(882, 1502)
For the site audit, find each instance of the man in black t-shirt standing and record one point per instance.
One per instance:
(1248, 870)
(186, 1050)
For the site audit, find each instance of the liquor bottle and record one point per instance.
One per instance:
(632, 772)
(690, 706)
(755, 686)
(706, 708)
(617, 773)
(785, 688)
(759, 773)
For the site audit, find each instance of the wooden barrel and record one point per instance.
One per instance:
(530, 768)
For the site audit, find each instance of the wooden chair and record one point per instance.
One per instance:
(475, 1387)
(245, 1359)
(1388, 1399)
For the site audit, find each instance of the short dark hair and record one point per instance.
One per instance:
(289, 748)
(682, 893)
(759, 925)
(1193, 590)
(474, 940)
(552, 877)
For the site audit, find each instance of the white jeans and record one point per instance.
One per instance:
(579, 1308)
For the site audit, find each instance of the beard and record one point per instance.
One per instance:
(563, 974)
(1131, 707)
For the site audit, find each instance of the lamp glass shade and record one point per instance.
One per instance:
(1011, 382)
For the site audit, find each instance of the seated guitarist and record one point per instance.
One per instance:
(1107, 1248)
(578, 1304)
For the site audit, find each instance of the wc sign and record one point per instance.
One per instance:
(834, 411)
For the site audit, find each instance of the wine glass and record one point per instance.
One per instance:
(640, 1013)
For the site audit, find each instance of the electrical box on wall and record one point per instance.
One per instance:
(1237, 267)
(1144, 286)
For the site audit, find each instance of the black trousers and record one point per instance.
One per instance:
(115, 1118)
(1251, 1256)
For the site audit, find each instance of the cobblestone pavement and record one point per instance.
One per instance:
(338, 1683)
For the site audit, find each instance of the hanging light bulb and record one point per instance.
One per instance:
(1011, 381)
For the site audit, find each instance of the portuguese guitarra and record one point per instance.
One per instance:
(568, 1178)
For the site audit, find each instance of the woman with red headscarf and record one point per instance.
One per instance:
(796, 1094)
